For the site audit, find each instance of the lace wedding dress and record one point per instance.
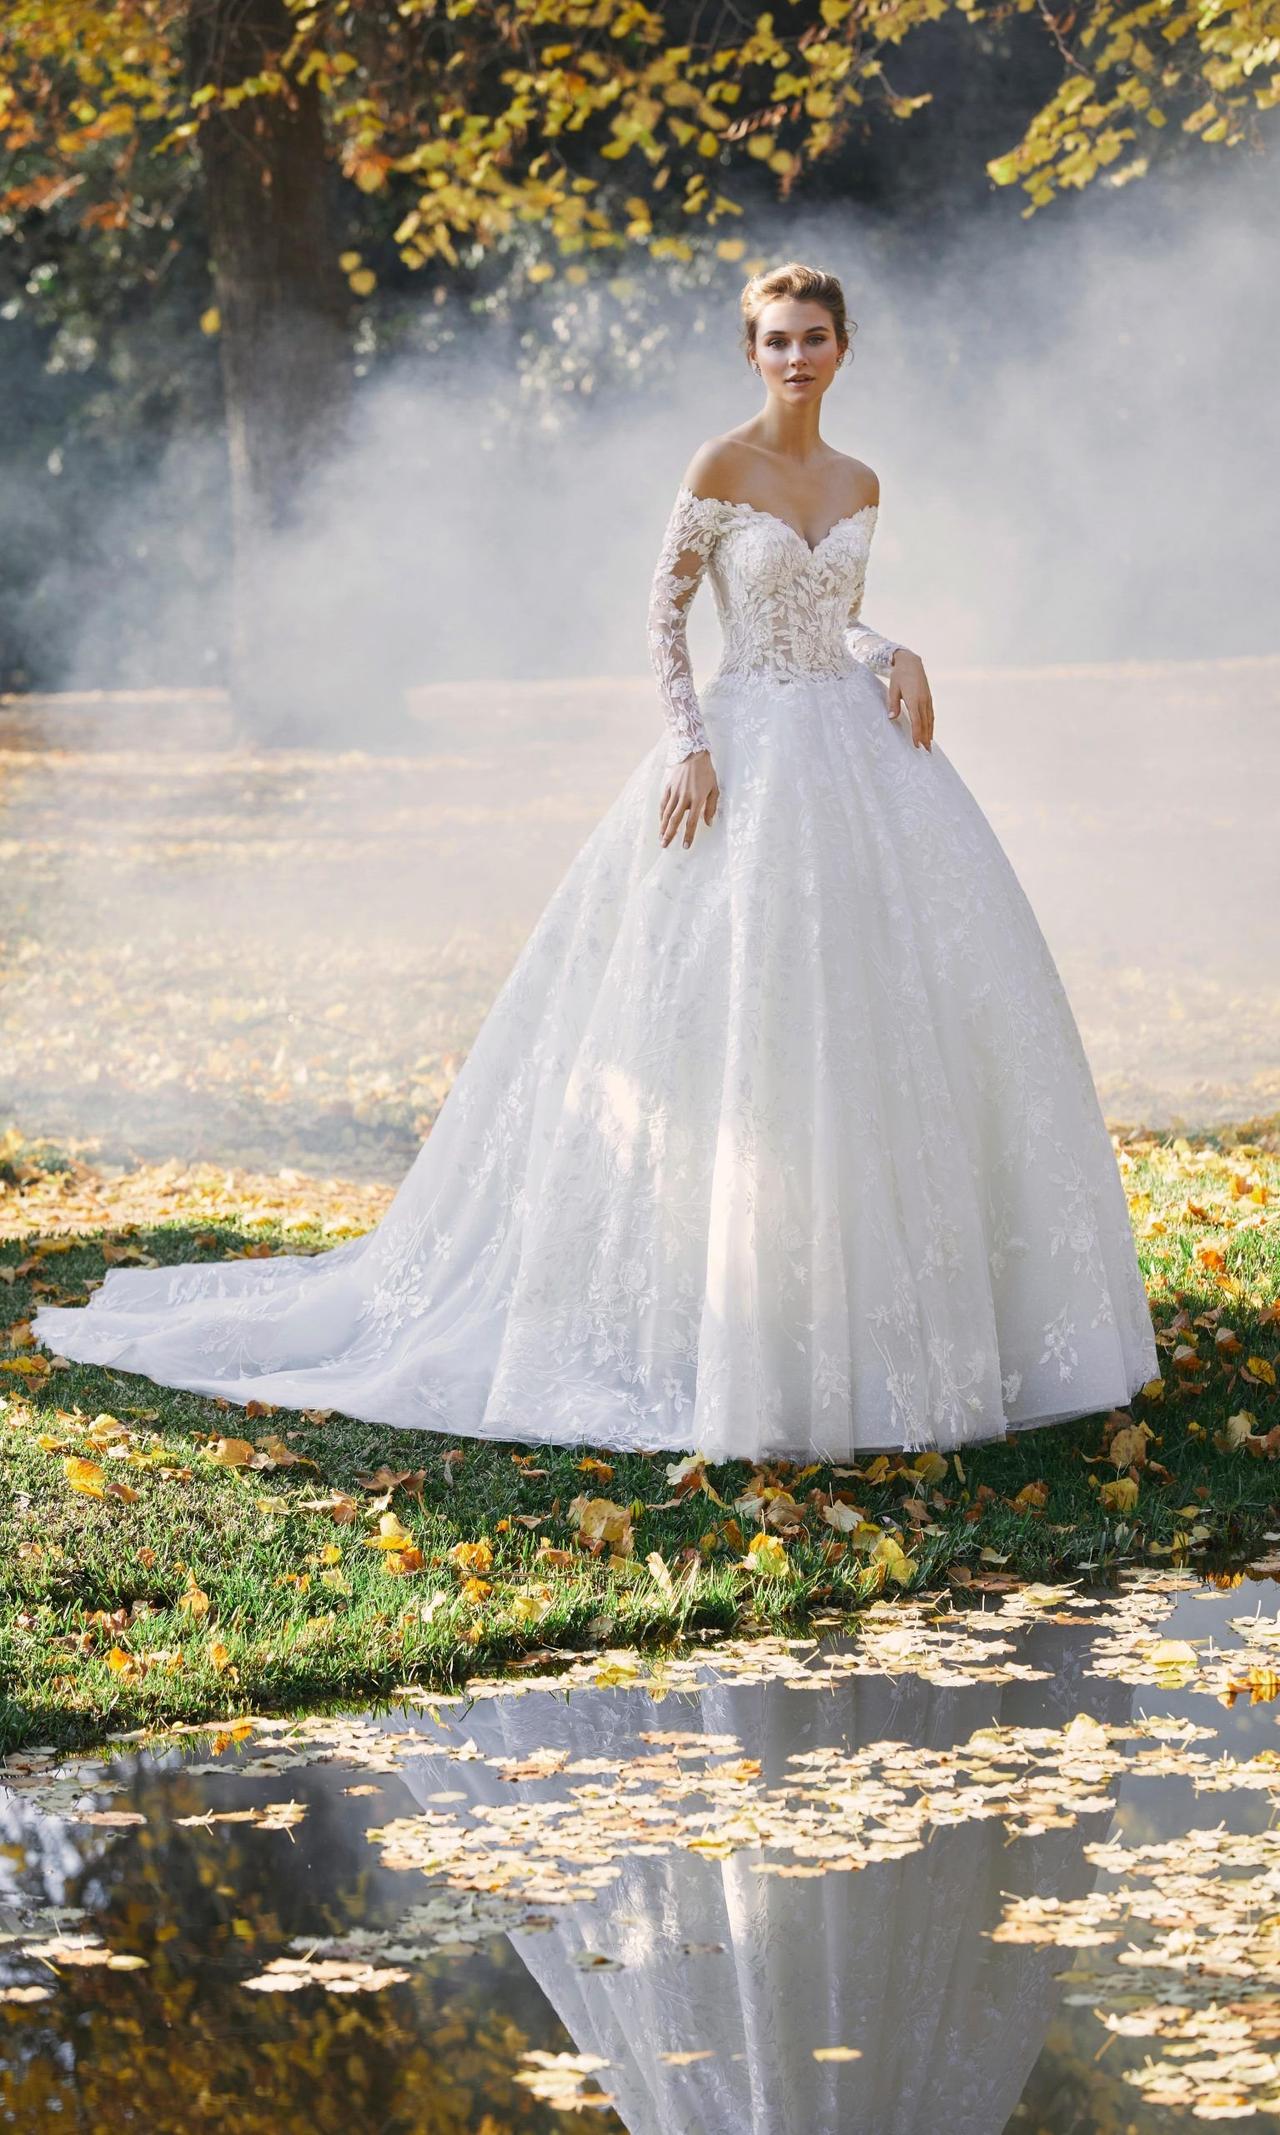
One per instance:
(783, 1143)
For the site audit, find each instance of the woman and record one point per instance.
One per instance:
(780, 1139)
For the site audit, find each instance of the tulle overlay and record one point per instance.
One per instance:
(782, 1144)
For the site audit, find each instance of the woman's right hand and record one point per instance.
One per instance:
(690, 790)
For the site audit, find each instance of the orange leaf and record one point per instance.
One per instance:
(85, 1476)
(231, 1453)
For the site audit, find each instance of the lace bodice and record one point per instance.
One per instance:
(786, 610)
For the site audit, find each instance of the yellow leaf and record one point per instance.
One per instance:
(363, 282)
(1237, 1432)
(601, 1522)
(897, 1564)
(348, 261)
(766, 1556)
(1119, 1496)
(231, 1453)
(1129, 1446)
(120, 1662)
(930, 1467)
(844, 1518)
(193, 1602)
(85, 1476)
(1262, 1684)
(211, 320)
(1263, 1370)
(656, 1565)
(473, 1557)
(397, 1563)
(1173, 1655)
(390, 1535)
(219, 1656)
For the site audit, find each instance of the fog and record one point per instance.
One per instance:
(219, 950)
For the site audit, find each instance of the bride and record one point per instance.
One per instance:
(780, 1138)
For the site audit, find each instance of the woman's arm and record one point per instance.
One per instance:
(691, 534)
(904, 669)
(867, 645)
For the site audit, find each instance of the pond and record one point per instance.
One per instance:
(1010, 1866)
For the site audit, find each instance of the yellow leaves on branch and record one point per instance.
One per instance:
(505, 116)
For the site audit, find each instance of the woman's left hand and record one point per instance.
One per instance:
(909, 686)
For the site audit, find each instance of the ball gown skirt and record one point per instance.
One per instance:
(783, 1144)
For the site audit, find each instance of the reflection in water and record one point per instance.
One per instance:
(733, 1980)
(765, 1902)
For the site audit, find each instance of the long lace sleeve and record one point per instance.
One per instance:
(687, 544)
(866, 644)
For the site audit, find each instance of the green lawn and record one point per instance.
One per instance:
(144, 1579)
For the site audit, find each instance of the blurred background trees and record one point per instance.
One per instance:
(220, 216)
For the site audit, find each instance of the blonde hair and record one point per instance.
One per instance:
(809, 284)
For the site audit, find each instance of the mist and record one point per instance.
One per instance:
(281, 956)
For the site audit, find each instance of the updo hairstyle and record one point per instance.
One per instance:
(809, 284)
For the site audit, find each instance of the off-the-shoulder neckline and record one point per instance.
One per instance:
(756, 513)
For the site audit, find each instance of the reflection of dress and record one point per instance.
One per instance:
(783, 1143)
(891, 1960)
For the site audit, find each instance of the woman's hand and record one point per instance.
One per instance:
(909, 685)
(691, 788)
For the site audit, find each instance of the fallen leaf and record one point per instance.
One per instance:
(85, 1476)
(231, 1453)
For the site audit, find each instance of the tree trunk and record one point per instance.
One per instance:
(285, 363)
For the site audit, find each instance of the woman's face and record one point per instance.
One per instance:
(796, 348)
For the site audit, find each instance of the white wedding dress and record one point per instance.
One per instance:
(783, 1143)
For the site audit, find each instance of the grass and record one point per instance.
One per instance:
(143, 1580)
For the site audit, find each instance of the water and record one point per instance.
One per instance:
(893, 1881)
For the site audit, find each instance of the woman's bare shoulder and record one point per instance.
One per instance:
(718, 469)
(863, 482)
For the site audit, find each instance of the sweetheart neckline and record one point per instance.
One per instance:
(754, 509)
